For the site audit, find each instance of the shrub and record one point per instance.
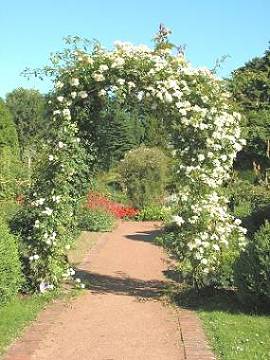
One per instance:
(252, 270)
(95, 220)
(144, 175)
(154, 212)
(223, 273)
(10, 272)
(249, 202)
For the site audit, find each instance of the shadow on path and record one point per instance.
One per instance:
(124, 285)
(146, 236)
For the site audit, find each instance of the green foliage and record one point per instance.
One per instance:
(120, 132)
(249, 202)
(8, 133)
(220, 310)
(250, 86)
(10, 166)
(144, 175)
(28, 110)
(8, 209)
(247, 338)
(19, 312)
(154, 212)
(252, 271)
(251, 83)
(156, 134)
(95, 220)
(225, 270)
(10, 269)
(30, 115)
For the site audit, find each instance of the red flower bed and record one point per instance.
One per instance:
(98, 201)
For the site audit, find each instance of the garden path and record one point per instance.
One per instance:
(120, 316)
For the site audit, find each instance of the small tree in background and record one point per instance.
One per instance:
(144, 174)
(28, 108)
(119, 132)
(155, 132)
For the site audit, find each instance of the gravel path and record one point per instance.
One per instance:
(120, 315)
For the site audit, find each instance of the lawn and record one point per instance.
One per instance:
(23, 309)
(18, 313)
(235, 334)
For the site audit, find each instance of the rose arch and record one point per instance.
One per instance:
(204, 139)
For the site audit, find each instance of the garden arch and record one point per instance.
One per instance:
(205, 137)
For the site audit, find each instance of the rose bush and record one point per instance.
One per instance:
(204, 139)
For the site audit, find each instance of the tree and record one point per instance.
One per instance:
(155, 132)
(28, 108)
(9, 152)
(122, 133)
(250, 86)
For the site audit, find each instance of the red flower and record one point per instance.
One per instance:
(96, 200)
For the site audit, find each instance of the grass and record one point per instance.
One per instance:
(22, 310)
(8, 208)
(235, 334)
(18, 313)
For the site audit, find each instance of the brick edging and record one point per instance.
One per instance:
(193, 337)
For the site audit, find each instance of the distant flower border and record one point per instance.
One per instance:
(98, 201)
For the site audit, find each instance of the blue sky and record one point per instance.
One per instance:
(31, 29)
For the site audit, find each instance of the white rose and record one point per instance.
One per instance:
(36, 225)
(40, 202)
(61, 145)
(60, 98)
(59, 85)
(83, 94)
(47, 211)
(102, 92)
(103, 68)
(140, 95)
(201, 157)
(216, 247)
(98, 77)
(74, 82)
(56, 198)
(120, 82)
(118, 62)
(131, 85)
(168, 97)
(178, 220)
